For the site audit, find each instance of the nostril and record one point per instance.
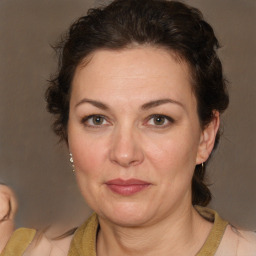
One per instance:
(127, 163)
(134, 162)
(128, 160)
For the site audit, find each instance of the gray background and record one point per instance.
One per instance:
(37, 167)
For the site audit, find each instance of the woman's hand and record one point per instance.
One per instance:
(8, 209)
(8, 203)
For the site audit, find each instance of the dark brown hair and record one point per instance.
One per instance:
(171, 25)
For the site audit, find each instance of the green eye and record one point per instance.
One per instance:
(159, 120)
(97, 120)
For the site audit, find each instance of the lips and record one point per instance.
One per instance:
(127, 187)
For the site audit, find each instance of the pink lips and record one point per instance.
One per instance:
(127, 187)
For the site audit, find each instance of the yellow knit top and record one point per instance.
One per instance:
(84, 240)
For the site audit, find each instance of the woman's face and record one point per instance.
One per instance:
(134, 134)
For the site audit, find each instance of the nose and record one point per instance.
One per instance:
(125, 148)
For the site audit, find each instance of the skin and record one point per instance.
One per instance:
(127, 142)
(8, 208)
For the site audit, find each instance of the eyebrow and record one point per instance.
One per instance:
(159, 102)
(95, 103)
(145, 106)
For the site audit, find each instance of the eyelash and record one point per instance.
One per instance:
(170, 120)
(167, 118)
(87, 118)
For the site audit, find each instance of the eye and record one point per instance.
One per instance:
(160, 120)
(94, 121)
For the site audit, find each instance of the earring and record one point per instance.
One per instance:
(71, 161)
(202, 166)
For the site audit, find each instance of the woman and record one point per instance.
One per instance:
(138, 99)
(8, 208)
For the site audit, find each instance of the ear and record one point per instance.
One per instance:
(207, 139)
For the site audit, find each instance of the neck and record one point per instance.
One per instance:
(180, 233)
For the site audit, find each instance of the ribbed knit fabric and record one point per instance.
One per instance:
(84, 240)
(19, 242)
(214, 238)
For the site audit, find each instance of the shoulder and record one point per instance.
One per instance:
(19, 241)
(247, 243)
(237, 242)
(29, 242)
(45, 246)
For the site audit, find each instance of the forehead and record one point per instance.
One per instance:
(144, 71)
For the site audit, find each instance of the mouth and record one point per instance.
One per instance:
(127, 187)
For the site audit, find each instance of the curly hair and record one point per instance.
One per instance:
(171, 25)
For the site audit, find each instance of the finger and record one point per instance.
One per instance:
(8, 202)
(4, 206)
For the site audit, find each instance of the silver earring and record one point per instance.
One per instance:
(202, 166)
(71, 161)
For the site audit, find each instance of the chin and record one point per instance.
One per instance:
(126, 215)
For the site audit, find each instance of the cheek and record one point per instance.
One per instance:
(90, 157)
(172, 152)
(89, 154)
(173, 159)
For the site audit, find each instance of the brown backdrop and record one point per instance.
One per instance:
(37, 167)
